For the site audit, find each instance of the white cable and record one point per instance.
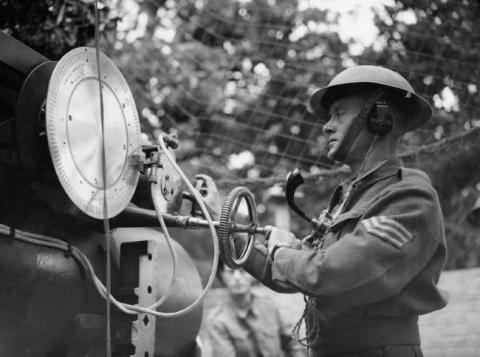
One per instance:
(211, 225)
(42, 240)
(129, 309)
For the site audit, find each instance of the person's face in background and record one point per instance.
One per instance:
(237, 281)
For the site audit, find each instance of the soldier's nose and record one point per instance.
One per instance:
(328, 128)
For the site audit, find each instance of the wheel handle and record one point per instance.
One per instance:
(226, 227)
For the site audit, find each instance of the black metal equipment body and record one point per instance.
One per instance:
(50, 185)
(48, 306)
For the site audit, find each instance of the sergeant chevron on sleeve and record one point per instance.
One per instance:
(374, 270)
(387, 229)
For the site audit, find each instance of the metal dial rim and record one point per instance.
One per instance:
(121, 124)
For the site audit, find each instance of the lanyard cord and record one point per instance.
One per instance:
(351, 188)
(329, 215)
(312, 303)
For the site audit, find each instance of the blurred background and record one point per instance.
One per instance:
(232, 79)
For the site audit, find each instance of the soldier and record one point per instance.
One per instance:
(371, 268)
(246, 323)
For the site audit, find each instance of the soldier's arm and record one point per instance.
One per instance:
(260, 266)
(392, 242)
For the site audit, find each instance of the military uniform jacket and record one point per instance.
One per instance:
(257, 331)
(378, 267)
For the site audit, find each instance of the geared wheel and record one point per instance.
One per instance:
(227, 225)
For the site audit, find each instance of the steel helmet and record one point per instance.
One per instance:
(418, 108)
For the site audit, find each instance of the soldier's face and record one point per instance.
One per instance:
(342, 114)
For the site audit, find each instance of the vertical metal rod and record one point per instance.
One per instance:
(106, 223)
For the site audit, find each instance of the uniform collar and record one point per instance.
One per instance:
(381, 170)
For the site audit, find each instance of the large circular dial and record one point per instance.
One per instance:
(74, 131)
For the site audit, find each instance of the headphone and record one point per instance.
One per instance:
(376, 114)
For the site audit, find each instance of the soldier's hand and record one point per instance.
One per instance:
(277, 237)
(210, 194)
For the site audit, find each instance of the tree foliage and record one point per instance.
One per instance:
(53, 27)
(439, 53)
(235, 76)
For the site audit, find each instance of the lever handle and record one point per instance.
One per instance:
(294, 180)
(195, 210)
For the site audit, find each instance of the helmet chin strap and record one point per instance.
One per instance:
(345, 146)
(360, 121)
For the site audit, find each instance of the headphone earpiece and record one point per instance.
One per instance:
(379, 120)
